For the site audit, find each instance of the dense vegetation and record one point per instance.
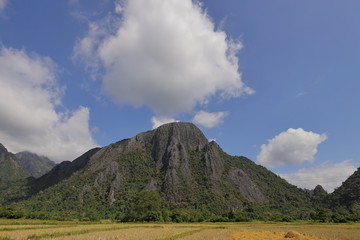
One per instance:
(147, 206)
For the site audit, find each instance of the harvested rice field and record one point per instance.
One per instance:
(33, 230)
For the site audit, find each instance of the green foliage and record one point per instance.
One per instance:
(238, 216)
(348, 194)
(12, 212)
(166, 215)
(321, 215)
(39, 215)
(146, 206)
(180, 215)
(11, 170)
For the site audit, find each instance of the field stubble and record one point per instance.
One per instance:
(36, 230)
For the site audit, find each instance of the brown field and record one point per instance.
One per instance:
(35, 229)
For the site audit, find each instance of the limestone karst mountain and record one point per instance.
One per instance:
(174, 161)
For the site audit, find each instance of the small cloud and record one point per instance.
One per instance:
(118, 8)
(301, 94)
(158, 121)
(208, 119)
(328, 175)
(73, 2)
(3, 4)
(290, 147)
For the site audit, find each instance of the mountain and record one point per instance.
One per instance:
(347, 196)
(34, 164)
(175, 168)
(62, 171)
(13, 177)
(10, 169)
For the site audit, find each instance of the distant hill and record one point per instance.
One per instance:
(347, 196)
(175, 164)
(62, 171)
(17, 171)
(10, 169)
(34, 164)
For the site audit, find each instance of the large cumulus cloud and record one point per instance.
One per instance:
(290, 147)
(28, 118)
(163, 54)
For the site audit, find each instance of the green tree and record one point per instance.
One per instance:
(146, 206)
(180, 215)
(12, 212)
(322, 215)
(166, 215)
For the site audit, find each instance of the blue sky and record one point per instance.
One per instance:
(276, 81)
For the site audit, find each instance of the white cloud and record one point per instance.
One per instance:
(208, 119)
(3, 4)
(118, 7)
(301, 94)
(28, 119)
(328, 175)
(164, 54)
(290, 147)
(158, 121)
(86, 49)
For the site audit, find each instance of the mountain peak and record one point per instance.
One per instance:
(181, 132)
(172, 142)
(178, 124)
(3, 149)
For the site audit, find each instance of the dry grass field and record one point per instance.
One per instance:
(35, 229)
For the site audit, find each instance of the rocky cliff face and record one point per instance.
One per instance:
(182, 162)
